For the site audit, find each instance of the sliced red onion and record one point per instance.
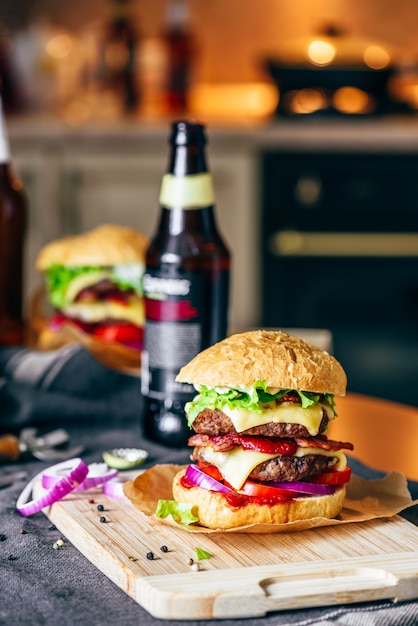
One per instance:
(98, 474)
(114, 487)
(77, 471)
(311, 488)
(201, 479)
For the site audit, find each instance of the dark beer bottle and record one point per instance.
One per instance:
(117, 70)
(186, 285)
(12, 233)
(180, 52)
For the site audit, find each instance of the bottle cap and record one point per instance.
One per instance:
(185, 133)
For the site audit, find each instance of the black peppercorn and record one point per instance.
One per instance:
(103, 519)
(164, 549)
(100, 507)
(150, 556)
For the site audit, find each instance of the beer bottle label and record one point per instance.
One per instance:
(175, 320)
(188, 192)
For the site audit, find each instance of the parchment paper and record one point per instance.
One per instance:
(366, 500)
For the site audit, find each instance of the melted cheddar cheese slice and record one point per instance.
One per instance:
(237, 464)
(286, 412)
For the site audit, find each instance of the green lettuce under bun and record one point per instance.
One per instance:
(59, 277)
(250, 398)
(181, 512)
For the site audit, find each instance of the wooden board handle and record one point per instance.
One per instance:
(256, 591)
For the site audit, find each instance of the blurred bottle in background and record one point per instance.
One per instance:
(186, 285)
(9, 88)
(117, 66)
(180, 52)
(13, 216)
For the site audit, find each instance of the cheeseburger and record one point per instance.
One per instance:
(94, 282)
(260, 451)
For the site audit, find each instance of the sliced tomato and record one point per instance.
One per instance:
(333, 478)
(120, 332)
(261, 490)
(211, 470)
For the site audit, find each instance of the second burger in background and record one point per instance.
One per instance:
(94, 283)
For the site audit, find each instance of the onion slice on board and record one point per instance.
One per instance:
(114, 487)
(98, 474)
(201, 479)
(77, 471)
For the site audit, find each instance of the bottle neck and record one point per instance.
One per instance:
(4, 143)
(187, 183)
(187, 160)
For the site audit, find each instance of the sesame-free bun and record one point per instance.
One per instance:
(106, 245)
(214, 511)
(285, 361)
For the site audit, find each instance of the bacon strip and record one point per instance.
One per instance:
(322, 442)
(268, 445)
(222, 443)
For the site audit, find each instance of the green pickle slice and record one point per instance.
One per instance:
(124, 458)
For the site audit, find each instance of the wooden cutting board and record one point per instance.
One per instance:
(246, 575)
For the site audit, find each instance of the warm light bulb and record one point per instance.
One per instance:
(306, 101)
(351, 100)
(321, 52)
(375, 57)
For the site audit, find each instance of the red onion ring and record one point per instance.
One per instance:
(300, 486)
(201, 479)
(77, 472)
(114, 487)
(98, 474)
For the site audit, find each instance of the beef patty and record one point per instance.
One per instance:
(283, 468)
(215, 422)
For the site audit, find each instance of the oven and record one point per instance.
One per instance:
(339, 251)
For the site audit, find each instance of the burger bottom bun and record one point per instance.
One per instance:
(214, 511)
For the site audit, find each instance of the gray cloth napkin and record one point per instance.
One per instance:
(62, 386)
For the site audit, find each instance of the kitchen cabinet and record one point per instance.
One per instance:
(78, 179)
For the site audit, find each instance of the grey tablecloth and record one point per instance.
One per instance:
(43, 586)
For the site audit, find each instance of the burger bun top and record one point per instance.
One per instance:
(285, 361)
(106, 245)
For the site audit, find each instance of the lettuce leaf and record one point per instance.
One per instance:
(202, 554)
(250, 398)
(58, 277)
(181, 512)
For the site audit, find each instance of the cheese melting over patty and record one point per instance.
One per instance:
(283, 413)
(132, 312)
(237, 464)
